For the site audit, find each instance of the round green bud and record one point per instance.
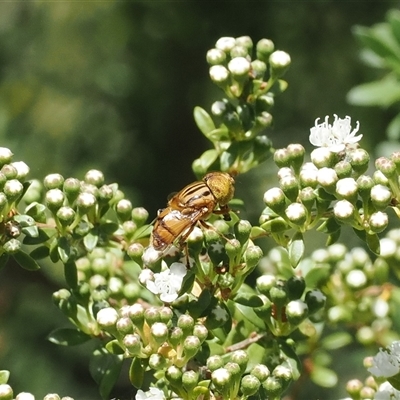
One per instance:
(190, 380)
(72, 187)
(296, 312)
(366, 336)
(241, 358)
(239, 67)
(132, 343)
(308, 175)
(278, 295)
(22, 169)
(296, 155)
(242, 231)
(307, 197)
(54, 199)
(252, 256)
(175, 336)
(124, 325)
(344, 211)
(13, 189)
(225, 43)
(264, 48)
(249, 385)
(157, 362)
(239, 51)
(186, 323)
(89, 188)
(378, 221)
(261, 372)
(166, 314)
(219, 108)
(365, 184)
(265, 102)
(354, 387)
(24, 396)
(201, 332)
(139, 215)
(290, 187)
(107, 317)
(5, 155)
(94, 177)
(264, 283)
(51, 396)
(6, 392)
(215, 56)
(135, 251)
(258, 68)
(296, 213)
(136, 314)
(283, 373)
(221, 378)
(215, 362)
(219, 75)
(367, 393)
(12, 246)
(174, 375)
(191, 345)
(151, 315)
(282, 158)
(65, 215)
(295, 286)
(347, 188)
(381, 196)
(386, 166)
(322, 157)
(129, 228)
(359, 160)
(105, 193)
(279, 62)
(275, 199)
(233, 248)
(315, 300)
(244, 41)
(159, 332)
(85, 201)
(273, 387)
(53, 181)
(343, 169)
(9, 171)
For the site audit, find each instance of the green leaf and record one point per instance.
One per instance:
(54, 256)
(207, 159)
(64, 249)
(248, 299)
(108, 228)
(91, 239)
(393, 129)
(4, 376)
(394, 381)
(373, 243)
(105, 369)
(142, 232)
(71, 274)
(114, 348)
(249, 314)
(32, 231)
(229, 156)
(324, 377)
(292, 360)
(68, 337)
(382, 93)
(39, 239)
(197, 307)
(336, 340)
(333, 238)
(393, 17)
(203, 121)
(329, 226)
(318, 275)
(136, 373)
(39, 253)
(296, 249)
(26, 261)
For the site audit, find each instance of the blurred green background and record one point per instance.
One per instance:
(112, 85)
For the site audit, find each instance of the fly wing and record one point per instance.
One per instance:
(171, 225)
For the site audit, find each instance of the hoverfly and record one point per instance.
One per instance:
(193, 204)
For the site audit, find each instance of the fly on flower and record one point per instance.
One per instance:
(336, 137)
(194, 204)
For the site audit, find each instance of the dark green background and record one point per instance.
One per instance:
(112, 85)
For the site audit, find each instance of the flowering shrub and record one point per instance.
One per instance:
(186, 318)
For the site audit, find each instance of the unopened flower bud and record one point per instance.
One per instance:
(159, 331)
(296, 312)
(107, 317)
(290, 187)
(219, 75)
(343, 169)
(347, 188)
(135, 251)
(25, 396)
(5, 155)
(174, 375)
(190, 380)
(186, 323)
(356, 279)
(124, 325)
(344, 210)
(53, 181)
(265, 282)
(201, 332)
(218, 108)
(191, 345)
(238, 51)
(275, 199)
(9, 171)
(321, 157)
(273, 387)
(353, 387)
(215, 56)
(136, 314)
(94, 177)
(264, 48)
(52, 396)
(123, 209)
(22, 169)
(295, 285)
(12, 246)
(85, 201)
(233, 248)
(225, 43)
(72, 187)
(378, 221)
(65, 215)
(133, 343)
(151, 315)
(281, 158)
(386, 166)
(139, 215)
(380, 179)
(380, 196)
(215, 362)
(261, 372)
(13, 189)
(359, 160)
(241, 358)
(239, 67)
(221, 379)
(259, 68)
(175, 336)
(315, 300)
(6, 392)
(327, 178)
(279, 62)
(157, 362)
(296, 213)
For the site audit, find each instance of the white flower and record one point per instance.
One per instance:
(152, 394)
(387, 362)
(336, 136)
(387, 392)
(168, 283)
